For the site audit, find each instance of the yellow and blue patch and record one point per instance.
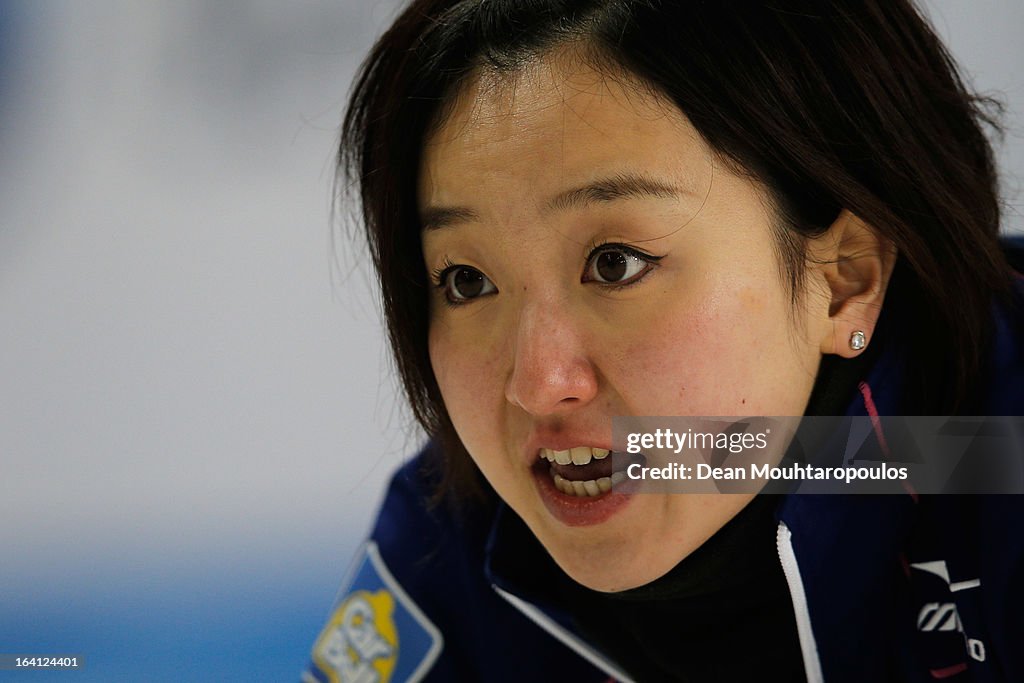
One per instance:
(376, 633)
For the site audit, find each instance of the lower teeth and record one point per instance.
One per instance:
(590, 487)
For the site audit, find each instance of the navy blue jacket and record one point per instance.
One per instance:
(891, 587)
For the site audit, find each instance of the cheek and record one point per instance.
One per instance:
(680, 358)
(467, 377)
(717, 356)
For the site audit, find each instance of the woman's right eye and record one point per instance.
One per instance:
(462, 284)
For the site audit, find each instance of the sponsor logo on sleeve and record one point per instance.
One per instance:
(376, 633)
(942, 615)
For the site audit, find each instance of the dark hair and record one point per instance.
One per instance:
(829, 104)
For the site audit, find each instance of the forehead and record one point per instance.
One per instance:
(554, 122)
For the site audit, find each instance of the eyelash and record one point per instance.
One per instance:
(596, 248)
(440, 275)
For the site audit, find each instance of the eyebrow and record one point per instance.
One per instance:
(621, 186)
(437, 217)
(604, 190)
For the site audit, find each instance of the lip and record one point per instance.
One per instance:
(577, 510)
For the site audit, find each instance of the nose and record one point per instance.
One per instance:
(552, 371)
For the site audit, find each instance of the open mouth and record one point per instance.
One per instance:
(585, 471)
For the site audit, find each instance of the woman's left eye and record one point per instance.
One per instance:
(617, 265)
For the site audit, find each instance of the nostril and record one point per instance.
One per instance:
(551, 369)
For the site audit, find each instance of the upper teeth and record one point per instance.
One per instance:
(579, 455)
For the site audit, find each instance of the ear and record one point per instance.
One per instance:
(856, 263)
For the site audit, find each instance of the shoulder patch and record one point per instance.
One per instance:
(376, 633)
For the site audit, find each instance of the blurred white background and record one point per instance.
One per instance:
(197, 415)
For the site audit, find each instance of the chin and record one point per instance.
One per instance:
(609, 572)
(608, 582)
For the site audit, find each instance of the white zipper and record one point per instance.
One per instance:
(808, 647)
(564, 636)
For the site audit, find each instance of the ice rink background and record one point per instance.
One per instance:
(196, 412)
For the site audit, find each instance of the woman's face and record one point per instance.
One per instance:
(594, 259)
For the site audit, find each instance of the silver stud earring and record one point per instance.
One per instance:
(858, 341)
